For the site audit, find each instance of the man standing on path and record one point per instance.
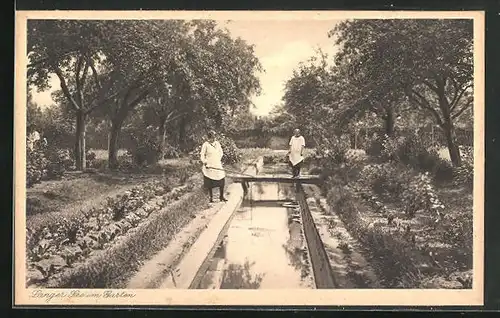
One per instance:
(296, 152)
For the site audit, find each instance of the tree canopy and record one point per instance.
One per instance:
(190, 70)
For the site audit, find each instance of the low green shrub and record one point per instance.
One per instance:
(464, 175)
(171, 152)
(59, 160)
(33, 206)
(374, 147)
(144, 147)
(413, 152)
(36, 164)
(443, 171)
(91, 159)
(457, 229)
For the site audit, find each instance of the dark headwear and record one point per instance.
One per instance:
(211, 134)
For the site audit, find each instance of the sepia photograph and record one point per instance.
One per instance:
(249, 158)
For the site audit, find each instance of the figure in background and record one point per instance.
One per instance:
(296, 152)
(213, 172)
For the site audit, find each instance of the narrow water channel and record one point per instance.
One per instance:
(264, 247)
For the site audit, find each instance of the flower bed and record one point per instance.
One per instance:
(52, 249)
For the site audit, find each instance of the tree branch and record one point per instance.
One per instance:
(456, 89)
(455, 102)
(168, 120)
(50, 59)
(461, 110)
(78, 68)
(65, 88)
(138, 99)
(90, 61)
(431, 86)
(84, 75)
(425, 104)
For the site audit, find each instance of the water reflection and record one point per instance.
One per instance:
(263, 248)
(295, 247)
(238, 276)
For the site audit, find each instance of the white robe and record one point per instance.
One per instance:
(211, 155)
(296, 144)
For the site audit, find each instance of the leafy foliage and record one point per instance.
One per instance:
(465, 173)
(53, 248)
(36, 164)
(428, 61)
(189, 74)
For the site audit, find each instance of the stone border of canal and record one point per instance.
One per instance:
(336, 259)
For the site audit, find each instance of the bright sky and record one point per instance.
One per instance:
(280, 46)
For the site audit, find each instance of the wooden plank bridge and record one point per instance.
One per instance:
(279, 178)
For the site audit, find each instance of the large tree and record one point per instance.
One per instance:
(143, 55)
(312, 98)
(73, 51)
(430, 62)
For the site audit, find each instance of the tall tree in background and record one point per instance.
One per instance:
(72, 50)
(141, 67)
(311, 97)
(107, 68)
(429, 61)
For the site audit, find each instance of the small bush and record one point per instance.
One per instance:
(443, 171)
(397, 183)
(91, 159)
(413, 152)
(144, 148)
(33, 206)
(374, 147)
(171, 152)
(387, 179)
(59, 161)
(464, 175)
(457, 229)
(420, 195)
(36, 164)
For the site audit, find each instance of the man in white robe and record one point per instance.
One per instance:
(296, 152)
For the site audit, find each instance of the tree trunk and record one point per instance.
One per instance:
(449, 132)
(449, 129)
(114, 135)
(389, 122)
(182, 133)
(80, 158)
(162, 131)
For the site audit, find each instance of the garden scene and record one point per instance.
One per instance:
(113, 172)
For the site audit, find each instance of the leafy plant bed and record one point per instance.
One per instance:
(420, 236)
(54, 200)
(55, 248)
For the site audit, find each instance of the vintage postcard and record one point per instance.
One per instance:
(249, 158)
